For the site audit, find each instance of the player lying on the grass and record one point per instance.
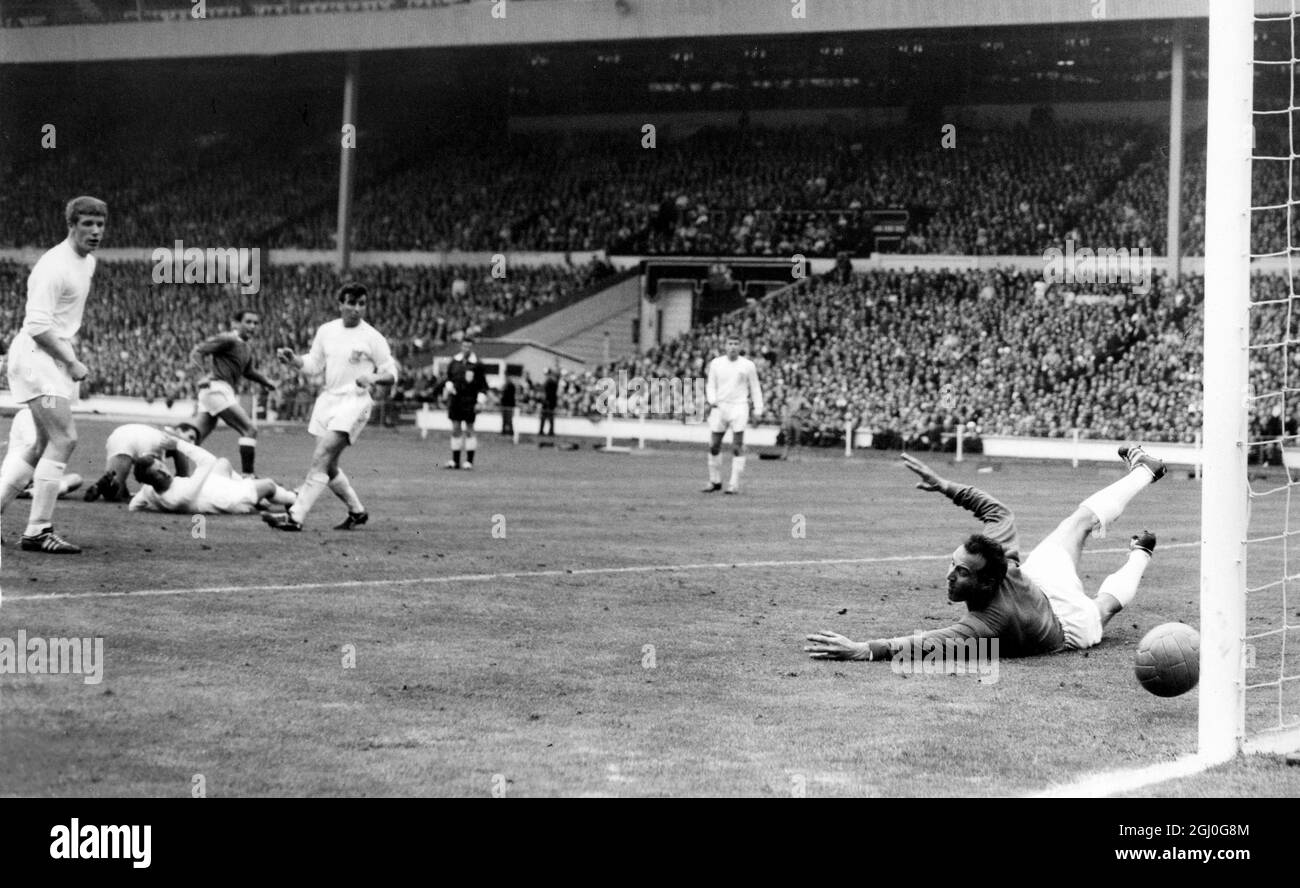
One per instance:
(215, 487)
(1038, 607)
(136, 441)
(16, 472)
(353, 356)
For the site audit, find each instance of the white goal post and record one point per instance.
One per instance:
(1226, 496)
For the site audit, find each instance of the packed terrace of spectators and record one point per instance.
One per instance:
(136, 334)
(909, 356)
(747, 191)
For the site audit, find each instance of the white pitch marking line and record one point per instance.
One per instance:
(510, 575)
(1108, 783)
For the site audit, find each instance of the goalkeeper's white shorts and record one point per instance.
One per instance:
(340, 413)
(34, 372)
(216, 396)
(728, 416)
(1051, 569)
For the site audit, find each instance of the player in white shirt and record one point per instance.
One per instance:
(732, 384)
(215, 487)
(135, 441)
(43, 366)
(15, 472)
(353, 356)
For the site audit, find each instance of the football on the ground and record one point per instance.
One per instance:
(1169, 659)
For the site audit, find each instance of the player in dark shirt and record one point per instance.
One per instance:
(465, 390)
(1035, 608)
(232, 362)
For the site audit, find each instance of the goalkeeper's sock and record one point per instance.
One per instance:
(715, 468)
(15, 474)
(737, 468)
(1109, 502)
(1122, 585)
(471, 444)
(45, 493)
(247, 454)
(282, 496)
(456, 442)
(342, 488)
(307, 494)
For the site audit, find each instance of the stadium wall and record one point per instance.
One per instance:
(684, 123)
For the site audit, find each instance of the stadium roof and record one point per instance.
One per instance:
(269, 27)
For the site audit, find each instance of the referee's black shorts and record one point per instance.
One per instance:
(461, 412)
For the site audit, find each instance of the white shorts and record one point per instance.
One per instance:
(227, 496)
(216, 396)
(134, 440)
(1049, 567)
(340, 413)
(34, 372)
(728, 416)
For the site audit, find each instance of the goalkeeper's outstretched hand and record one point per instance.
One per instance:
(929, 480)
(827, 645)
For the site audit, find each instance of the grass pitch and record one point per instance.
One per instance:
(562, 623)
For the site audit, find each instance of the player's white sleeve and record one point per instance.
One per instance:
(711, 386)
(383, 357)
(42, 297)
(314, 361)
(755, 391)
(195, 454)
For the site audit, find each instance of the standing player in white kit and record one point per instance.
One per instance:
(43, 366)
(732, 384)
(353, 356)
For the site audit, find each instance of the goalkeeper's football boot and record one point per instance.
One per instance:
(281, 521)
(49, 542)
(354, 519)
(1146, 541)
(1135, 456)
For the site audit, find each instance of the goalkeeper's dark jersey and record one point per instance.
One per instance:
(232, 357)
(1019, 614)
(466, 374)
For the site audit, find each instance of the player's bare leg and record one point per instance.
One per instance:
(57, 432)
(457, 442)
(235, 417)
(715, 462)
(203, 424)
(737, 461)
